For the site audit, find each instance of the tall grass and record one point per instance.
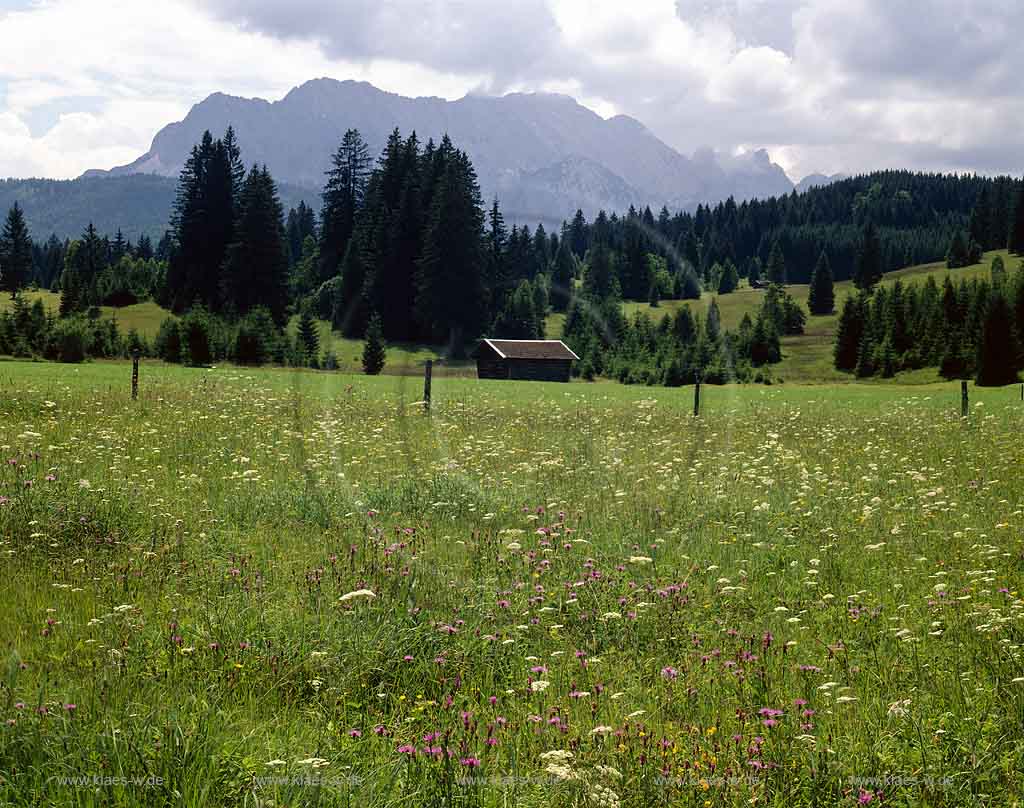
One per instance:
(581, 595)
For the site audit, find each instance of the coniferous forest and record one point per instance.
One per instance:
(405, 242)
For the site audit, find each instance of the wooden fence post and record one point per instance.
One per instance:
(963, 399)
(427, 371)
(696, 398)
(135, 373)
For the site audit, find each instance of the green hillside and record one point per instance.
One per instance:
(806, 358)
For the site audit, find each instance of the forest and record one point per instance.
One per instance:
(405, 250)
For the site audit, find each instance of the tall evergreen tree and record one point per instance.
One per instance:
(729, 279)
(562, 276)
(868, 270)
(1016, 237)
(957, 256)
(998, 348)
(202, 223)
(15, 252)
(450, 293)
(821, 298)
(349, 312)
(849, 333)
(578, 235)
(374, 347)
(256, 268)
(498, 275)
(343, 198)
(776, 265)
(309, 337)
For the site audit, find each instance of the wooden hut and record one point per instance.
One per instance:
(544, 360)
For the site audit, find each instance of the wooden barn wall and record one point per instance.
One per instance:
(546, 370)
(491, 368)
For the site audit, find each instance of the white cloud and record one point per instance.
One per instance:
(830, 85)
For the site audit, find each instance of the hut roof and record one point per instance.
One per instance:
(531, 348)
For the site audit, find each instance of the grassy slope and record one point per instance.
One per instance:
(143, 317)
(807, 358)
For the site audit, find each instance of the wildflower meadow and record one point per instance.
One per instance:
(287, 588)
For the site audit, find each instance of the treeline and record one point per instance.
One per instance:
(968, 330)
(404, 241)
(29, 331)
(99, 269)
(680, 348)
(916, 216)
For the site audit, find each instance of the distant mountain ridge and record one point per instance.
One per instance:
(543, 155)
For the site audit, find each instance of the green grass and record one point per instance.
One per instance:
(176, 568)
(144, 317)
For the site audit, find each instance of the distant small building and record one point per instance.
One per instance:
(543, 360)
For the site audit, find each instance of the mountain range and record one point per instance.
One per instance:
(542, 155)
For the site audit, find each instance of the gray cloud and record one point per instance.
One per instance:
(501, 39)
(859, 83)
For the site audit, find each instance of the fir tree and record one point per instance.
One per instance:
(1016, 236)
(998, 349)
(349, 311)
(957, 256)
(998, 272)
(309, 337)
(713, 322)
(256, 269)
(776, 265)
(343, 198)
(374, 347)
(15, 252)
(821, 296)
(729, 280)
(868, 271)
(202, 222)
(562, 276)
(849, 333)
(450, 294)
(578, 235)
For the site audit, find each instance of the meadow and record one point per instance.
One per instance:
(290, 588)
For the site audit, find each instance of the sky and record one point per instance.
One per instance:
(824, 85)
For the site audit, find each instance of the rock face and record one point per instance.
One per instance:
(543, 155)
(818, 181)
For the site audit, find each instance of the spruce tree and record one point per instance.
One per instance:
(349, 314)
(821, 296)
(256, 269)
(713, 322)
(776, 268)
(729, 279)
(578, 235)
(202, 223)
(374, 347)
(849, 333)
(343, 198)
(957, 255)
(562, 275)
(868, 270)
(15, 252)
(998, 271)
(998, 349)
(450, 294)
(1016, 237)
(309, 337)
